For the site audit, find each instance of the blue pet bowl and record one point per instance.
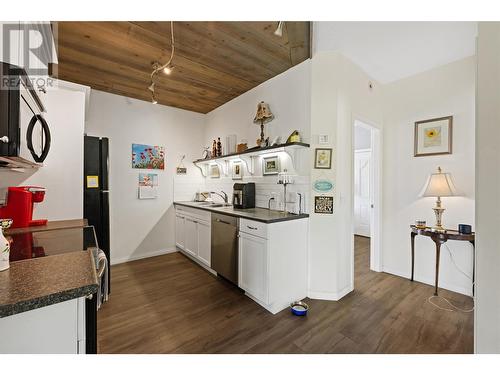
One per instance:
(299, 308)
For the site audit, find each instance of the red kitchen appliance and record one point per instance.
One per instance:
(19, 207)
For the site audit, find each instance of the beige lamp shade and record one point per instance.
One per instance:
(439, 184)
(263, 114)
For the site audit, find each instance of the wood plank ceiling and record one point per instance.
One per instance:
(214, 62)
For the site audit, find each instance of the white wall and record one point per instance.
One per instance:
(340, 94)
(62, 173)
(288, 95)
(447, 90)
(487, 313)
(141, 228)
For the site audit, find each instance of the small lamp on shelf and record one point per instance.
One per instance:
(439, 185)
(263, 115)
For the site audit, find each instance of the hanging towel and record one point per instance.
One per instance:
(102, 270)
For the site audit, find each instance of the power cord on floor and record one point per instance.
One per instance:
(454, 308)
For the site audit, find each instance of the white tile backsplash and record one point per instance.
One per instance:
(265, 188)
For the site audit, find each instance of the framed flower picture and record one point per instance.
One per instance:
(323, 158)
(237, 170)
(433, 137)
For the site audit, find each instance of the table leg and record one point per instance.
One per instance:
(438, 253)
(412, 254)
(473, 243)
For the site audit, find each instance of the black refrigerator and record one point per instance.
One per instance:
(96, 211)
(96, 190)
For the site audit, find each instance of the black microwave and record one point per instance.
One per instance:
(24, 131)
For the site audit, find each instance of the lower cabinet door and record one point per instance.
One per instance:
(190, 236)
(179, 231)
(204, 244)
(252, 270)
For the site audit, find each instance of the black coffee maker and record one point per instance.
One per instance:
(244, 195)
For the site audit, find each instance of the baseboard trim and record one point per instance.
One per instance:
(330, 296)
(442, 285)
(143, 256)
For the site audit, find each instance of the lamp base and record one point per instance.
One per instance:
(438, 212)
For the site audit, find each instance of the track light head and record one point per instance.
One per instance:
(168, 69)
(279, 29)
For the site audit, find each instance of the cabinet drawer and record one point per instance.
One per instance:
(193, 212)
(255, 228)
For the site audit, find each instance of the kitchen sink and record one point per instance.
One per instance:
(211, 204)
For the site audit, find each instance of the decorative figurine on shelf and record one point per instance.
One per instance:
(294, 137)
(219, 147)
(206, 153)
(263, 116)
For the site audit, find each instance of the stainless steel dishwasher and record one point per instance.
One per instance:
(224, 258)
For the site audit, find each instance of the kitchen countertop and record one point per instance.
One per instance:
(258, 214)
(34, 283)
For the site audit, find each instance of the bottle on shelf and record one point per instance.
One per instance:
(214, 149)
(219, 147)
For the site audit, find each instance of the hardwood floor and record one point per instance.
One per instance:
(168, 304)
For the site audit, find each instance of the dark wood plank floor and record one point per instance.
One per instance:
(168, 304)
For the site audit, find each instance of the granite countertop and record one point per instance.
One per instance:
(34, 283)
(258, 214)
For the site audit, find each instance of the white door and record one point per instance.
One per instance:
(191, 236)
(362, 192)
(179, 231)
(252, 266)
(204, 247)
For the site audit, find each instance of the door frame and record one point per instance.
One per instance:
(376, 263)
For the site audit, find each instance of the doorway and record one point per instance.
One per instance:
(366, 226)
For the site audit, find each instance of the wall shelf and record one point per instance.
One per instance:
(248, 156)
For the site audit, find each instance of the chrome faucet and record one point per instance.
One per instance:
(225, 197)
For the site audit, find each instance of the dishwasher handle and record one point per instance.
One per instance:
(222, 221)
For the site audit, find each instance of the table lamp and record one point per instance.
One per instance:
(262, 116)
(439, 185)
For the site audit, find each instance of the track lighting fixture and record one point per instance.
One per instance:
(166, 68)
(279, 29)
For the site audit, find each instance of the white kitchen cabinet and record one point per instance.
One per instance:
(193, 233)
(179, 231)
(204, 243)
(252, 266)
(272, 262)
(191, 236)
(54, 329)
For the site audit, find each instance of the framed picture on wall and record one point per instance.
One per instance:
(237, 170)
(270, 165)
(433, 137)
(323, 204)
(323, 158)
(214, 171)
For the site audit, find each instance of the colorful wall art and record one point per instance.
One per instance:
(148, 185)
(148, 157)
